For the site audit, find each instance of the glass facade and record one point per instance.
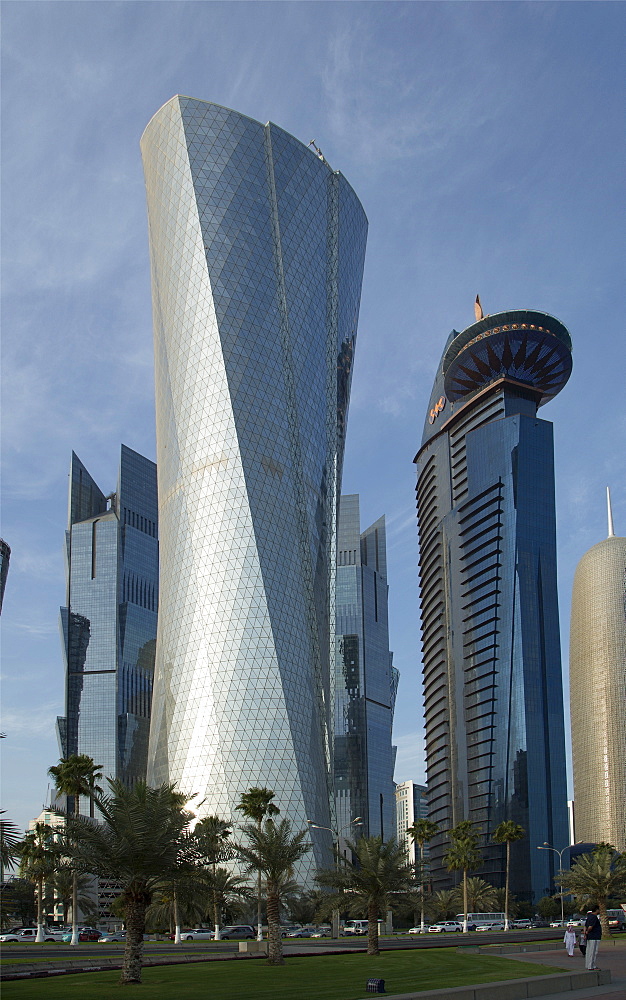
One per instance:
(108, 626)
(598, 692)
(365, 679)
(490, 627)
(257, 251)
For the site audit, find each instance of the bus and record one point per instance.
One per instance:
(481, 919)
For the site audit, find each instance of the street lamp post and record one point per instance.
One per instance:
(547, 847)
(336, 835)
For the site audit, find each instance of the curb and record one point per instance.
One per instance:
(514, 989)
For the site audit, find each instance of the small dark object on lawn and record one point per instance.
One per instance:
(375, 986)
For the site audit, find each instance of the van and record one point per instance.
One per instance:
(356, 927)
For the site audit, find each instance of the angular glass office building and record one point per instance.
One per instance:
(598, 692)
(490, 626)
(365, 680)
(257, 251)
(108, 626)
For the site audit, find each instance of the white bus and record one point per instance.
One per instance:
(480, 919)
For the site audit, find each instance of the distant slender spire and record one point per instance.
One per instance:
(609, 512)
(478, 309)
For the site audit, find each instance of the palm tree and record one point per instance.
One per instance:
(597, 877)
(443, 904)
(506, 833)
(211, 835)
(273, 851)
(463, 856)
(70, 887)
(77, 775)
(39, 856)
(10, 838)
(182, 901)
(227, 890)
(74, 776)
(421, 832)
(377, 881)
(257, 804)
(137, 843)
(481, 896)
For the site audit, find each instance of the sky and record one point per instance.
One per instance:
(486, 143)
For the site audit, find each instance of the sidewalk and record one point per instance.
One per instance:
(612, 956)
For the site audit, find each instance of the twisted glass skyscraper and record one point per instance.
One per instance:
(491, 654)
(257, 251)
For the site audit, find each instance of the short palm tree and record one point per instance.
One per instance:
(443, 904)
(421, 832)
(211, 836)
(39, 857)
(463, 855)
(70, 886)
(272, 851)
(137, 843)
(256, 804)
(377, 881)
(506, 833)
(74, 776)
(481, 896)
(182, 901)
(596, 877)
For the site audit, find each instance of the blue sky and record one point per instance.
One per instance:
(486, 142)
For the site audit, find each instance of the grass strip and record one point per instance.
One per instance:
(323, 977)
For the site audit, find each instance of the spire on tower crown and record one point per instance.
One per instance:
(609, 513)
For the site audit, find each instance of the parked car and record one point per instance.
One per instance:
(418, 930)
(20, 934)
(558, 923)
(302, 932)
(84, 934)
(286, 929)
(522, 924)
(444, 927)
(494, 925)
(321, 932)
(117, 936)
(238, 931)
(197, 934)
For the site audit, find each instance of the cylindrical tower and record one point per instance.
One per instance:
(598, 693)
(257, 251)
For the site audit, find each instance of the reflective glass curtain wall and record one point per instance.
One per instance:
(108, 628)
(490, 627)
(366, 681)
(257, 251)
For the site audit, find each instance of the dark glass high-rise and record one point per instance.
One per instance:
(491, 650)
(365, 680)
(108, 626)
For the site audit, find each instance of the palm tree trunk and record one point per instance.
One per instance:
(40, 933)
(74, 940)
(421, 846)
(506, 886)
(177, 937)
(133, 950)
(216, 912)
(465, 900)
(259, 925)
(604, 917)
(372, 929)
(275, 942)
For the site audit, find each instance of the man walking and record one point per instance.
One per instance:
(593, 933)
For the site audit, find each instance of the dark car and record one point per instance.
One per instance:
(238, 931)
(85, 934)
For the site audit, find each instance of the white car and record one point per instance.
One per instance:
(495, 925)
(522, 924)
(445, 927)
(29, 934)
(117, 936)
(199, 934)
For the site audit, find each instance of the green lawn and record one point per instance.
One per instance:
(322, 977)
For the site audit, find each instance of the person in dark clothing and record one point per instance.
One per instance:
(593, 933)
